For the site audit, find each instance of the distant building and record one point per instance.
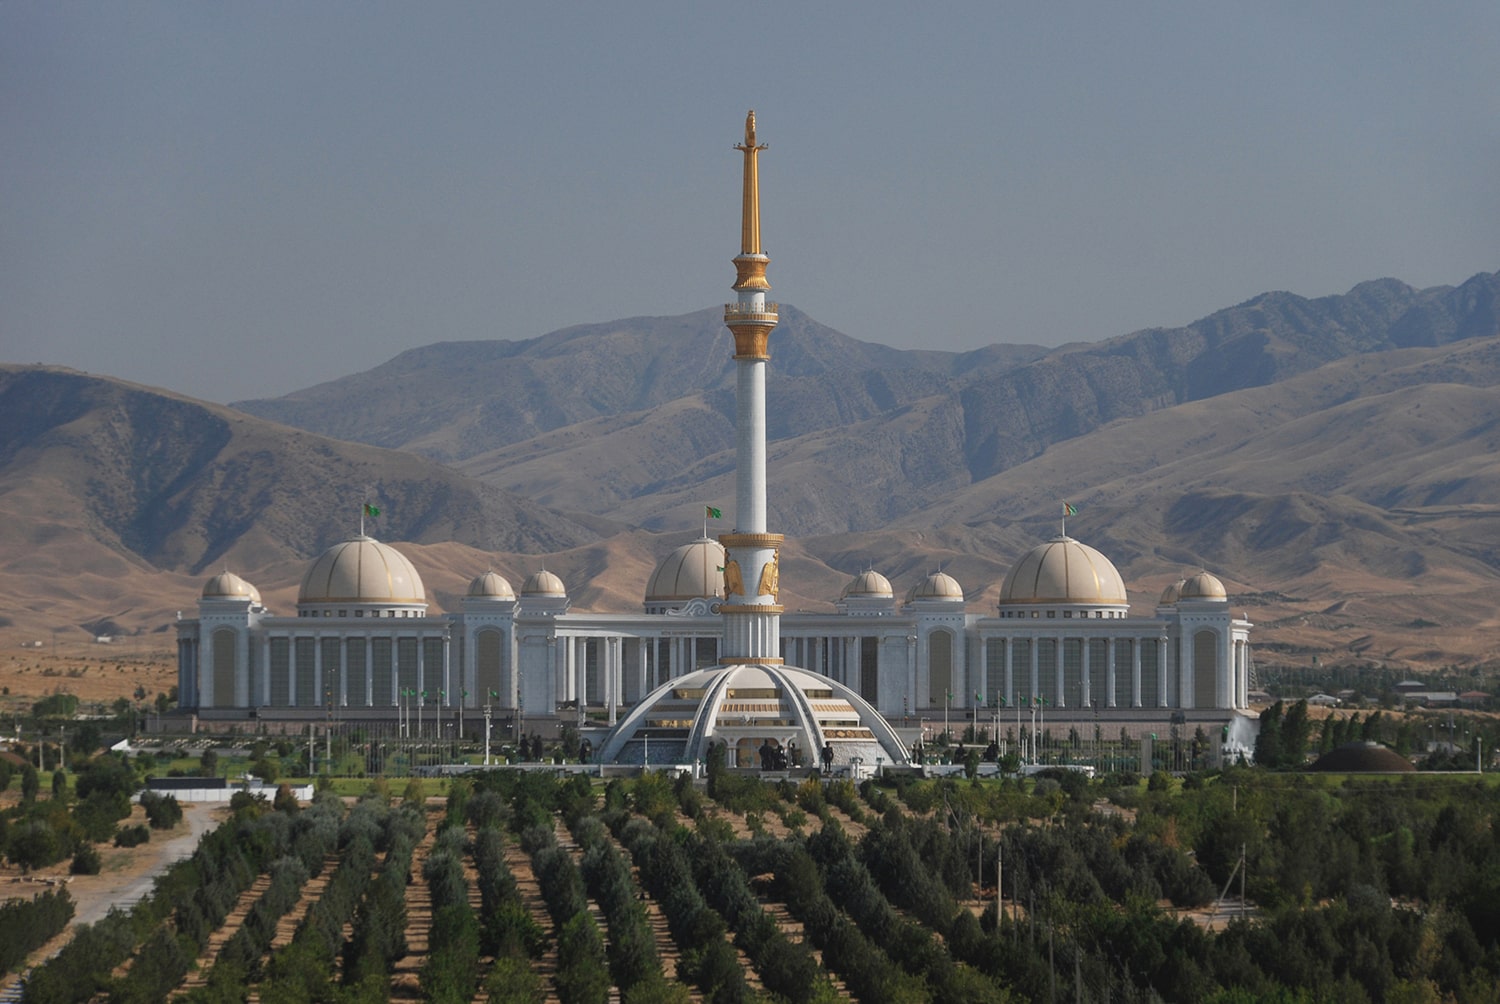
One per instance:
(712, 656)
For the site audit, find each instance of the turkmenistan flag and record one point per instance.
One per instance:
(978, 697)
(713, 513)
(372, 510)
(1069, 510)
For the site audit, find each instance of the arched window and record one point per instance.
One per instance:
(489, 662)
(939, 667)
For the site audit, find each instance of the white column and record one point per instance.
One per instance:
(317, 687)
(1085, 653)
(1057, 670)
(640, 668)
(1135, 672)
(1109, 672)
(615, 678)
(1163, 660)
(750, 448)
(1010, 678)
(1036, 667)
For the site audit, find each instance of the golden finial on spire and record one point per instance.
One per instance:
(750, 221)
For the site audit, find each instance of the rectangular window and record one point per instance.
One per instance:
(281, 668)
(307, 675)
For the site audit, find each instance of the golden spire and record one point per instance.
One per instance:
(750, 223)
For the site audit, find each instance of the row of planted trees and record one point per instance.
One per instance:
(1364, 891)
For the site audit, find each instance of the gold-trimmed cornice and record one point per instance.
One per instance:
(752, 539)
(752, 660)
(750, 608)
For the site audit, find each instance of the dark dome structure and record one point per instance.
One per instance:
(1363, 758)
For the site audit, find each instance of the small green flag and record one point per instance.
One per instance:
(950, 695)
(372, 510)
(466, 695)
(494, 694)
(713, 513)
(978, 698)
(1069, 510)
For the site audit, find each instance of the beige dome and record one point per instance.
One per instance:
(871, 583)
(1173, 593)
(937, 586)
(228, 586)
(1203, 586)
(362, 570)
(693, 571)
(491, 586)
(543, 583)
(1063, 571)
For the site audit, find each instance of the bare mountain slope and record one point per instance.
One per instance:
(101, 479)
(454, 400)
(606, 404)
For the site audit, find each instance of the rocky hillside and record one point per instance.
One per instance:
(102, 481)
(632, 418)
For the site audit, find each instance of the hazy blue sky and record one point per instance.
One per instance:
(240, 199)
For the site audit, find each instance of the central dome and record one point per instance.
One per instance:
(362, 570)
(692, 571)
(1063, 570)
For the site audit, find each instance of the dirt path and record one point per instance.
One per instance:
(126, 878)
(312, 891)
(856, 831)
(531, 894)
(406, 977)
(126, 875)
(198, 975)
(566, 842)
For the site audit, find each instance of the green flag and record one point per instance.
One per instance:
(950, 695)
(372, 510)
(713, 513)
(1069, 510)
(494, 695)
(978, 698)
(466, 695)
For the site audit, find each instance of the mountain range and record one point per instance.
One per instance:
(1332, 459)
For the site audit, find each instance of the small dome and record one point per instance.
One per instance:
(1063, 570)
(1173, 593)
(543, 583)
(1203, 586)
(937, 586)
(362, 570)
(228, 586)
(693, 571)
(491, 586)
(871, 583)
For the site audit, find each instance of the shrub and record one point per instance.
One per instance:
(86, 861)
(132, 836)
(162, 811)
